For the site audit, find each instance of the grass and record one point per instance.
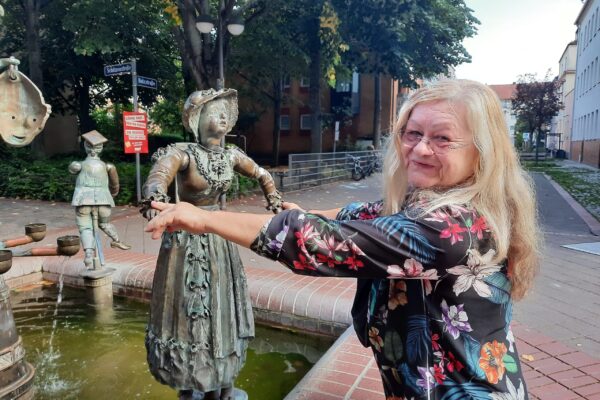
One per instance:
(580, 182)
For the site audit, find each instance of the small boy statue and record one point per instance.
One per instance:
(97, 184)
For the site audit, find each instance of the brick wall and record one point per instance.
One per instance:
(591, 152)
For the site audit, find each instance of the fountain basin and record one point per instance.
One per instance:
(84, 348)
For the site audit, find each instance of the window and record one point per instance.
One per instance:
(284, 122)
(342, 87)
(285, 82)
(305, 122)
(304, 82)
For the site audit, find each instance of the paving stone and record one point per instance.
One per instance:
(553, 391)
(578, 359)
(556, 348)
(589, 389)
(362, 394)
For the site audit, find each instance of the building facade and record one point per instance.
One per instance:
(562, 125)
(356, 96)
(505, 94)
(585, 137)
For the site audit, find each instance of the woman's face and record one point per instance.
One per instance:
(449, 157)
(213, 119)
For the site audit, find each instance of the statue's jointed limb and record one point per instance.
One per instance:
(247, 167)
(113, 179)
(163, 172)
(75, 167)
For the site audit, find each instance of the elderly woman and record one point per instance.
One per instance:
(439, 260)
(200, 315)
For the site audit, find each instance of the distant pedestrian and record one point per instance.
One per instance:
(439, 260)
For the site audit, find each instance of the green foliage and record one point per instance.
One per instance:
(78, 38)
(28, 178)
(166, 114)
(405, 39)
(519, 140)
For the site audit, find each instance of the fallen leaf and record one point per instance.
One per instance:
(527, 357)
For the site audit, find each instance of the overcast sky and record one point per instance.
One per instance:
(517, 37)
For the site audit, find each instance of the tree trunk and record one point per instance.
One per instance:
(34, 53)
(86, 123)
(316, 145)
(277, 86)
(34, 57)
(196, 48)
(376, 110)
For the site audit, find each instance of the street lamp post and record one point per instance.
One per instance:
(235, 26)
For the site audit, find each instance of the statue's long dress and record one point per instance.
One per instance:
(201, 315)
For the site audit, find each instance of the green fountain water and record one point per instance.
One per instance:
(83, 353)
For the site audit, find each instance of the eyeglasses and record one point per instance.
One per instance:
(437, 144)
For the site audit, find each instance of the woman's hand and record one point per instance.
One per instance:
(286, 205)
(175, 217)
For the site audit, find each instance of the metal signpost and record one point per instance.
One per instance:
(150, 83)
(336, 134)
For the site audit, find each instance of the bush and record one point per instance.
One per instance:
(27, 178)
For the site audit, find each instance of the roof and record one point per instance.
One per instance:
(504, 92)
(583, 12)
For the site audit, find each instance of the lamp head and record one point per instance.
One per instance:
(204, 23)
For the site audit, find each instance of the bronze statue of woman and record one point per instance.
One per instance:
(200, 315)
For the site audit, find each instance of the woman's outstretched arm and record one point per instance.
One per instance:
(240, 228)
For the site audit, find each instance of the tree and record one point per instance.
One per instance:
(266, 54)
(535, 103)
(200, 51)
(403, 39)
(319, 37)
(78, 38)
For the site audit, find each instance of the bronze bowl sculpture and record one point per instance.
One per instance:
(5, 261)
(36, 232)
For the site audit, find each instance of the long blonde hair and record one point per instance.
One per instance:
(499, 188)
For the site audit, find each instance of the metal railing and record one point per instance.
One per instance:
(314, 169)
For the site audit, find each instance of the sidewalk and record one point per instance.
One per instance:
(557, 326)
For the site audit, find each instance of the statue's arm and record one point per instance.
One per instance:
(113, 179)
(247, 167)
(167, 163)
(75, 167)
(5, 62)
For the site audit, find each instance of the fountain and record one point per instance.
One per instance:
(16, 374)
(24, 118)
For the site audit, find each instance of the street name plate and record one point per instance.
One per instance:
(117, 69)
(147, 82)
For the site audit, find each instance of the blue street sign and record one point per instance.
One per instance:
(117, 69)
(147, 82)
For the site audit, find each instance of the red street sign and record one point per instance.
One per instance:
(135, 132)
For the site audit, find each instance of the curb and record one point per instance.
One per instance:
(592, 223)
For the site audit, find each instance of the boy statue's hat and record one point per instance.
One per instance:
(94, 138)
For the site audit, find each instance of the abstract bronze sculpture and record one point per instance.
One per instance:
(23, 112)
(23, 115)
(97, 184)
(200, 316)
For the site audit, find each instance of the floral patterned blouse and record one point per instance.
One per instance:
(430, 302)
